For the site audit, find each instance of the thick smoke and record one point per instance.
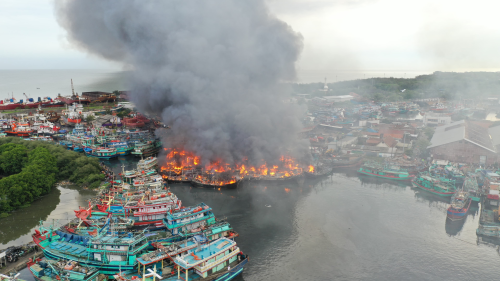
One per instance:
(212, 69)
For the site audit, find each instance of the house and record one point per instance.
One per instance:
(436, 119)
(463, 142)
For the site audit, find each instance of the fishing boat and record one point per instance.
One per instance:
(316, 172)
(101, 152)
(208, 182)
(147, 148)
(344, 161)
(47, 270)
(147, 209)
(188, 218)
(19, 130)
(385, 171)
(110, 253)
(147, 163)
(122, 147)
(471, 186)
(194, 259)
(211, 260)
(460, 203)
(433, 185)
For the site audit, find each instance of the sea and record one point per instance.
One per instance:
(51, 83)
(342, 227)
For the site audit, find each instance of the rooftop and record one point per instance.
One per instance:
(462, 130)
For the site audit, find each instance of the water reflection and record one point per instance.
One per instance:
(56, 207)
(453, 227)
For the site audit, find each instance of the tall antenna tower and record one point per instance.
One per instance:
(72, 88)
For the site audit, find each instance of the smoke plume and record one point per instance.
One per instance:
(212, 69)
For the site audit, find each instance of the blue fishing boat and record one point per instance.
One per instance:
(101, 152)
(47, 270)
(110, 253)
(122, 147)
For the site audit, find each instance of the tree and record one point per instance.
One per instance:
(429, 132)
(89, 118)
(116, 93)
(13, 160)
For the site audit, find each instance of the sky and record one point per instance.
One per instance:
(339, 35)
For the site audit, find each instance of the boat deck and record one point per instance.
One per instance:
(206, 251)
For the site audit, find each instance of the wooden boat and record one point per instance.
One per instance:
(460, 203)
(101, 152)
(385, 171)
(47, 270)
(318, 172)
(433, 185)
(89, 250)
(345, 161)
(19, 130)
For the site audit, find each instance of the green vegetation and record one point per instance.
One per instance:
(124, 113)
(32, 168)
(89, 118)
(449, 85)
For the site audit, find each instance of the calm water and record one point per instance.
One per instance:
(53, 82)
(343, 227)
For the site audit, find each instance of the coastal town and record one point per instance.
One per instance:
(135, 227)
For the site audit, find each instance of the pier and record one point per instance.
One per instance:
(6, 267)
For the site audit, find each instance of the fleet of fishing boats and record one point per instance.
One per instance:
(447, 180)
(136, 228)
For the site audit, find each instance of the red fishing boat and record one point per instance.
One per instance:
(20, 130)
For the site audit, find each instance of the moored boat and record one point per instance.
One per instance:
(433, 185)
(460, 203)
(385, 171)
(48, 270)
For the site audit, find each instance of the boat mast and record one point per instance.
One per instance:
(72, 88)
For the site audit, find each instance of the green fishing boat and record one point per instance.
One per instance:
(391, 172)
(433, 185)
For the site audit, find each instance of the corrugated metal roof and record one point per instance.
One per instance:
(448, 134)
(462, 130)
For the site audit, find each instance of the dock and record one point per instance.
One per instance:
(6, 267)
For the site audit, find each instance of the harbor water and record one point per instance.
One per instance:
(342, 227)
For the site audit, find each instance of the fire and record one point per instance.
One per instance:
(287, 190)
(186, 165)
(311, 169)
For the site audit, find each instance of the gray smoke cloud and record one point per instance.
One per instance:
(212, 69)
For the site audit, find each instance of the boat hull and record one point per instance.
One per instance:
(458, 214)
(385, 177)
(444, 194)
(107, 269)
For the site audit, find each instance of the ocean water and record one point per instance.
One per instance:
(342, 227)
(43, 83)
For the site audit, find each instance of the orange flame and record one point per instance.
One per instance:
(180, 162)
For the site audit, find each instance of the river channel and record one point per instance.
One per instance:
(343, 227)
